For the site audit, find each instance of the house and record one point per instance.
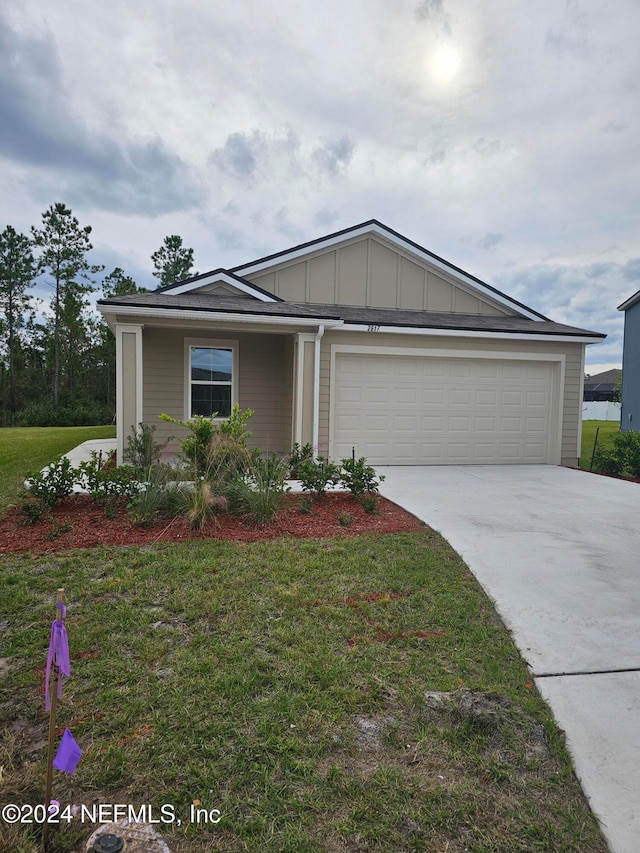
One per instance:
(361, 340)
(601, 386)
(630, 417)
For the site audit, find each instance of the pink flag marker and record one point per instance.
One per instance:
(68, 754)
(58, 654)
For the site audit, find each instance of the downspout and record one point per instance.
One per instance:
(316, 389)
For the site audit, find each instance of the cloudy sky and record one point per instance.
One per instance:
(503, 135)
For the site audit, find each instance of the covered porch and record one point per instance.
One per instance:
(272, 369)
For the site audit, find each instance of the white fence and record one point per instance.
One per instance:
(601, 410)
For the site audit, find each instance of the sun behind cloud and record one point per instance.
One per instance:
(445, 62)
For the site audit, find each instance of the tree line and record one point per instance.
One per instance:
(57, 356)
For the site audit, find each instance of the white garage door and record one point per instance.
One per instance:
(399, 410)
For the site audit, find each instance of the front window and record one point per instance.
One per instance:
(211, 381)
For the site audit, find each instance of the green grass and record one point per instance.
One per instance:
(608, 431)
(283, 683)
(28, 449)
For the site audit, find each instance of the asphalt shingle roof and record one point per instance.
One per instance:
(215, 304)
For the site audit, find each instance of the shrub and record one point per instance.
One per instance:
(623, 457)
(259, 493)
(368, 501)
(80, 414)
(605, 462)
(103, 480)
(317, 476)
(56, 481)
(142, 451)
(34, 510)
(196, 446)
(298, 455)
(228, 458)
(203, 503)
(359, 477)
(627, 448)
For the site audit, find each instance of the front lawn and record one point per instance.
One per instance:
(24, 450)
(283, 683)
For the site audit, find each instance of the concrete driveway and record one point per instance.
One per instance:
(558, 550)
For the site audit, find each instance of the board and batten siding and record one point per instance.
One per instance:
(265, 383)
(572, 400)
(369, 272)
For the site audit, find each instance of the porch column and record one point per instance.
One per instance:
(128, 384)
(303, 394)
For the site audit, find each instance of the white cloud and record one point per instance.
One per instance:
(247, 127)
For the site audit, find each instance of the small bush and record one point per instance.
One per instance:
(627, 448)
(34, 510)
(55, 482)
(344, 519)
(359, 477)
(228, 458)
(259, 494)
(317, 476)
(306, 505)
(203, 503)
(106, 481)
(368, 501)
(142, 451)
(297, 456)
(622, 457)
(196, 447)
(605, 462)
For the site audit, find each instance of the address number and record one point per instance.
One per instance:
(373, 328)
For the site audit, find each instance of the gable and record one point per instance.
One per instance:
(222, 289)
(221, 282)
(371, 272)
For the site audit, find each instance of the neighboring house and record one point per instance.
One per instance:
(601, 386)
(361, 339)
(630, 418)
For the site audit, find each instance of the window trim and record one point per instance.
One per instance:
(209, 343)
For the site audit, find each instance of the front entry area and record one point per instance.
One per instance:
(443, 410)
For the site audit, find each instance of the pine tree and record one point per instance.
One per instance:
(173, 261)
(17, 271)
(63, 248)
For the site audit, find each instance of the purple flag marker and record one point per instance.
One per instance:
(68, 754)
(58, 653)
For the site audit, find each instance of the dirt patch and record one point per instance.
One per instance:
(79, 522)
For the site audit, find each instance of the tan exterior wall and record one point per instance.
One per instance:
(572, 400)
(264, 383)
(368, 271)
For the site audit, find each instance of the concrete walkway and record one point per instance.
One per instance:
(558, 550)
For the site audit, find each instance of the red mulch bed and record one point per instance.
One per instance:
(88, 525)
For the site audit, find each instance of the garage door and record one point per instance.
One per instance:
(399, 410)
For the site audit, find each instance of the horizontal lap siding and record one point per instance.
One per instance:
(572, 408)
(264, 385)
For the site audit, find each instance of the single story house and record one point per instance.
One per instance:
(601, 386)
(630, 416)
(358, 340)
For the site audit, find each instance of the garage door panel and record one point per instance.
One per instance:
(442, 410)
(459, 424)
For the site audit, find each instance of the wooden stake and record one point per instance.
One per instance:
(53, 693)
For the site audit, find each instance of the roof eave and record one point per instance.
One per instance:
(628, 303)
(112, 310)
